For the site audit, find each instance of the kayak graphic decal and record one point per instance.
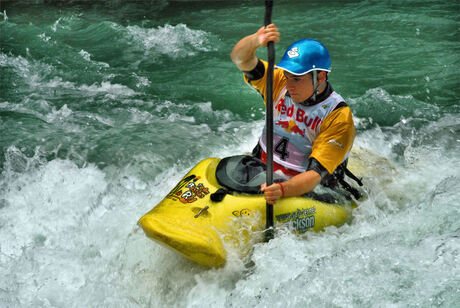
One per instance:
(302, 224)
(187, 191)
(243, 212)
(300, 220)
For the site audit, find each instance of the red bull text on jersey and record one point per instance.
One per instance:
(295, 129)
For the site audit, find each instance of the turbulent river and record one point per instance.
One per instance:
(105, 106)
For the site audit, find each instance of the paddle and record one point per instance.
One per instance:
(269, 232)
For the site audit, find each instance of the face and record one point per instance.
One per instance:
(301, 87)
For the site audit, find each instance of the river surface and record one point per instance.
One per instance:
(104, 107)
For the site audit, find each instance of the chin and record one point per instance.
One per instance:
(296, 100)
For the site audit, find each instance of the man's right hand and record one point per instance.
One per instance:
(268, 34)
(243, 53)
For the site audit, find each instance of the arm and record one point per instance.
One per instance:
(295, 186)
(243, 53)
(335, 139)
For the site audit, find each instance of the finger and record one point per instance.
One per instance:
(269, 33)
(271, 29)
(272, 194)
(263, 187)
(274, 187)
(271, 201)
(273, 38)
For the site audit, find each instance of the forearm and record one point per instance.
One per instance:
(294, 187)
(301, 183)
(243, 53)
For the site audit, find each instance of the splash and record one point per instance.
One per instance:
(173, 41)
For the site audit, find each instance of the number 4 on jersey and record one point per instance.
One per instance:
(281, 148)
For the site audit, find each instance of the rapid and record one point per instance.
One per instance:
(105, 106)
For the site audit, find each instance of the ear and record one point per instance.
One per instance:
(321, 76)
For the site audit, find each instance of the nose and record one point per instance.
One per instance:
(290, 85)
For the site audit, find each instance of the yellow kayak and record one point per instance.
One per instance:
(200, 217)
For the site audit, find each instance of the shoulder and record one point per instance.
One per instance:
(257, 72)
(257, 78)
(341, 110)
(340, 118)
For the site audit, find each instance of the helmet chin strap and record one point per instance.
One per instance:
(316, 86)
(312, 99)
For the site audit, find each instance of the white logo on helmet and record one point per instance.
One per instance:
(294, 52)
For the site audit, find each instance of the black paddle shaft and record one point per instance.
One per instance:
(269, 120)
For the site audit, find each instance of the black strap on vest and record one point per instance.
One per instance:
(347, 186)
(338, 177)
(352, 176)
(350, 189)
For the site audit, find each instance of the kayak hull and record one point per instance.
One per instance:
(189, 222)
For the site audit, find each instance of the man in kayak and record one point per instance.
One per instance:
(313, 127)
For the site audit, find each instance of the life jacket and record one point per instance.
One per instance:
(295, 129)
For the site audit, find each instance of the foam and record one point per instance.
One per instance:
(173, 41)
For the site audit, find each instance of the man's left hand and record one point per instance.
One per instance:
(272, 192)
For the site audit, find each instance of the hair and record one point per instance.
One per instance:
(327, 73)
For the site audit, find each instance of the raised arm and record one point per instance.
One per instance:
(243, 53)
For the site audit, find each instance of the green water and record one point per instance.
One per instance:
(105, 106)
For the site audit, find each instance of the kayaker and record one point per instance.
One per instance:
(313, 126)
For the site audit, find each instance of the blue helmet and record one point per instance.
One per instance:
(305, 56)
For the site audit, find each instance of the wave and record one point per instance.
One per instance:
(377, 106)
(173, 41)
(57, 206)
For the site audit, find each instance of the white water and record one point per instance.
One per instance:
(69, 237)
(68, 232)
